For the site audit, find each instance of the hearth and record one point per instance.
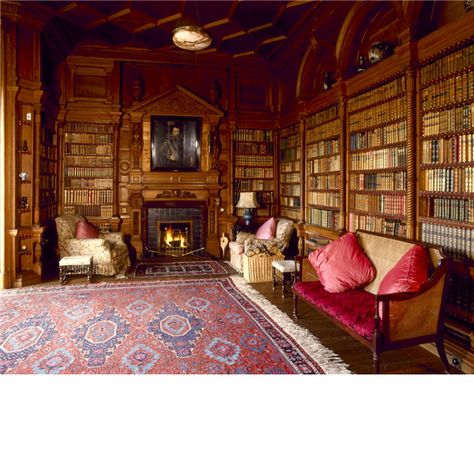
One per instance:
(174, 237)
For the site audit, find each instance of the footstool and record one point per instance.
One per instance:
(76, 265)
(283, 271)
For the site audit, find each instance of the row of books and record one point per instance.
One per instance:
(381, 225)
(47, 167)
(455, 119)
(48, 153)
(75, 149)
(380, 159)
(88, 196)
(396, 181)
(99, 183)
(457, 149)
(323, 116)
(324, 199)
(48, 181)
(290, 213)
(449, 92)
(290, 141)
(47, 197)
(290, 166)
(394, 133)
(449, 64)
(325, 165)
(90, 211)
(461, 295)
(325, 181)
(48, 137)
(254, 148)
(456, 241)
(379, 115)
(291, 189)
(323, 132)
(393, 204)
(381, 93)
(323, 218)
(242, 172)
(84, 127)
(448, 208)
(290, 201)
(290, 154)
(323, 148)
(254, 185)
(88, 138)
(290, 178)
(96, 161)
(448, 180)
(88, 172)
(253, 135)
(290, 130)
(253, 160)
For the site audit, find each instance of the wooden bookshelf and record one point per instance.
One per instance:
(88, 170)
(446, 175)
(323, 169)
(377, 158)
(290, 172)
(254, 167)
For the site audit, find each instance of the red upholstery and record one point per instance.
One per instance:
(84, 230)
(267, 230)
(342, 265)
(353, 308)
(408, 274)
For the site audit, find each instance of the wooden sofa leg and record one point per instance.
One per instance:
(442, 355)
(376, 363)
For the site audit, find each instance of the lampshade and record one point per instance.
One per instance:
(191, 37)
(247, 200)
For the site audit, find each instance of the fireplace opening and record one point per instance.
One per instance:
(174, 238)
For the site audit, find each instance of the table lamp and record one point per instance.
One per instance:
(247, 201)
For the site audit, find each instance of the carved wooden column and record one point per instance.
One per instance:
(411, 152)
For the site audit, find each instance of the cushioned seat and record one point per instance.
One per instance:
(353, 308)
(109, 251)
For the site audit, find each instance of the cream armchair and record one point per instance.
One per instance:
(253, 257)
(109, 251)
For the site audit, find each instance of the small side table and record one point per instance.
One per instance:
(283, 271)
(76, 265)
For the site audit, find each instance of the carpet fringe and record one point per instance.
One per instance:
(328, 360)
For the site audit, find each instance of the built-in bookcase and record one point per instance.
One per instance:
(377, 158)
(88, 172)
(48, 169)
(254, 167)
(446, 175)
(323, 169)
(290, 172)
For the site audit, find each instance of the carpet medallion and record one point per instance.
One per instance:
(181, 268)
(203, 326)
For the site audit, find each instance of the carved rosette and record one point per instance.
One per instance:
(136, 201)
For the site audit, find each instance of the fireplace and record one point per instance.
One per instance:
(174, 227)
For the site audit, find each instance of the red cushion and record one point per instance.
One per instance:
(342, 265)
(354, 308)
(408, 274)
(267, 229)
(84, 230)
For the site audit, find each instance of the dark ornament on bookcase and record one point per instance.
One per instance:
(378, 51)
(361, 64)
(328, 81)
(468, 5)
(23, 203)
(23, 177)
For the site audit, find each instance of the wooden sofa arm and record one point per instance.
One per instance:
(412, 315)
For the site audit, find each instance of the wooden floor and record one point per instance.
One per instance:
(414, 360)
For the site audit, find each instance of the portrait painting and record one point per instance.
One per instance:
(175, 143)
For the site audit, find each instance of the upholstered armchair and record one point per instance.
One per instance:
(109, 251)
(253, 256)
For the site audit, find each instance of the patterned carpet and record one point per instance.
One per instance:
(203, 326)
(180, 268)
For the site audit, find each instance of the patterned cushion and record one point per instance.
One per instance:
(353, 308)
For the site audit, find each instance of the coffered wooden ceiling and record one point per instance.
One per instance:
(237, 28)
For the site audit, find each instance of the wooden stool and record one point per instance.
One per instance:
(283, 271)
(76, 265)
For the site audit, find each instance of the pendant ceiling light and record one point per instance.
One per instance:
(187, 35)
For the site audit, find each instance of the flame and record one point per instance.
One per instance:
(171, 237)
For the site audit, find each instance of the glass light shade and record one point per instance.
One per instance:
(247, 200)
(191, 38)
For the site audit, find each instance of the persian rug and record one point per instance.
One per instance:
(200, 326)
(180, 268)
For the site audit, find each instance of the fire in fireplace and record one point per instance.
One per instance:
(174, 237)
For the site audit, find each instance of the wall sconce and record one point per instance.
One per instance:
(328, 81)
(361, 64)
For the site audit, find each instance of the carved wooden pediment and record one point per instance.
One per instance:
(177, 101)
